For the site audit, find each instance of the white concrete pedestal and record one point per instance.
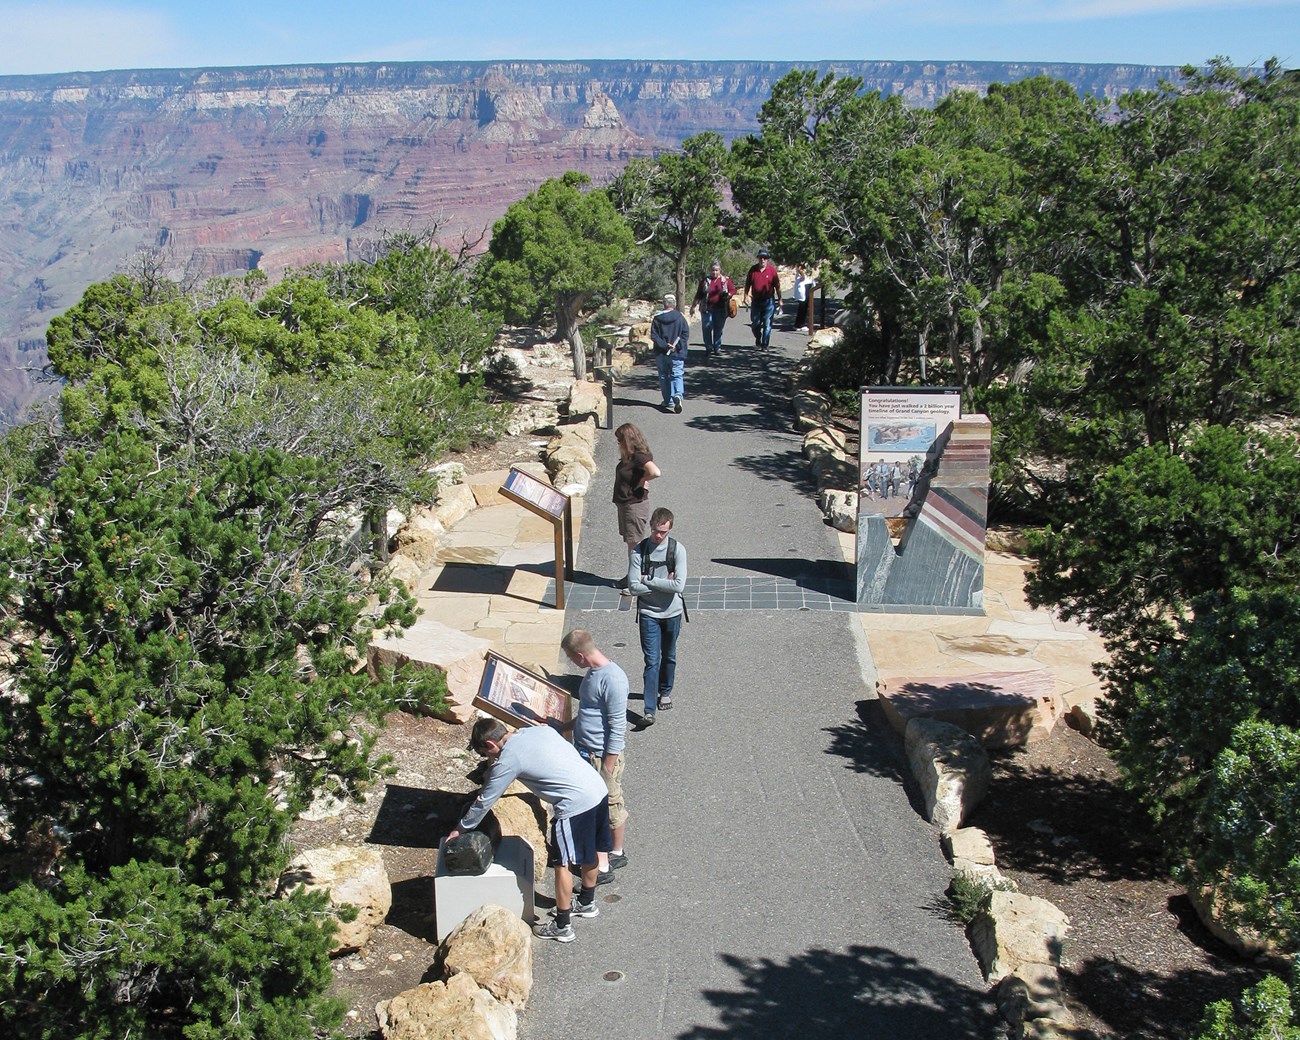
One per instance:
(507, 882)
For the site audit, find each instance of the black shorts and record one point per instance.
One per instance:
(577, 840)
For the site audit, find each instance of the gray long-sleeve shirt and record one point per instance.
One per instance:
(546, 764)
(660, 595)
(601, 725)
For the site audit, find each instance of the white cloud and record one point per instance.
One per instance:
(46, 37)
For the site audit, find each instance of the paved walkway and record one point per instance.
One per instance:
(780, 883)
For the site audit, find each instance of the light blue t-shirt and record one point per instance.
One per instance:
(546, 764)
(601, 725)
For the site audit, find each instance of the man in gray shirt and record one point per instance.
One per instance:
(550, 767)
(656, 576)
(600, 731)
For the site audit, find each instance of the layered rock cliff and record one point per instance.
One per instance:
(233, 169)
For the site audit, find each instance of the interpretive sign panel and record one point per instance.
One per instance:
(541, 496)
(553, 504)
(518, 697)
(898, 427)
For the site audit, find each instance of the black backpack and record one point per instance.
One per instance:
(670, 561)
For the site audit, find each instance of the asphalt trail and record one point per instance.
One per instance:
(780, 883)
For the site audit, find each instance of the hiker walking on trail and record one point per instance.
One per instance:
(600, 731)
(657, 576)
(804, 284)
(763, 295)
(636, 468)
(713, 298)
(550, 767)
(670, 333)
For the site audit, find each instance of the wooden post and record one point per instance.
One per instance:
(568, 539)
(559, 564)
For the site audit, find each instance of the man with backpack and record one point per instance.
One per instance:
(656, 577)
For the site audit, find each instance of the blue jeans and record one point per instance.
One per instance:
(713, 319)
(672, 376)
(659, 645)
(760, 320)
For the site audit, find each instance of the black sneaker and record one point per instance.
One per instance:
(647, 720)
(603, 877)
(677, 406)
(618, 860)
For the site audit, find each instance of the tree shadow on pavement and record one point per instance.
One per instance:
(865, 991)
(872, 747)
(741, 422)
(787, 467)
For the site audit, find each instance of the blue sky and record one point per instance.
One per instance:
(60, 36)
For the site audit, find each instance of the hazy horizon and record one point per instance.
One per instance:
(112, 35)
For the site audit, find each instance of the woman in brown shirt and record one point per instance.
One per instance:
(632, 476)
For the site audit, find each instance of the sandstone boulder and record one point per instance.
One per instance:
(486, 486)
(623, 362)
(458, 1009)
(454, 503)
(422, 525)
(840, 509)
(495, 948)
(448, 474)
(404, 568)
(1032, 991)
(521, 813)
(568, 454)
(1213, 906)
(532, 417)
(970, 844)
(1083, 717)
(586, 399)
(573, 479)
(350, 876)
(431, 644)
(639, 334)
(825, 436)
(1015, 930)
(951, 767)
(583, 433)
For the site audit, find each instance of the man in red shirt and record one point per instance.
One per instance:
(763, 295)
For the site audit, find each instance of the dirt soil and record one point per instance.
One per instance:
(1137, 961)
(404, 819)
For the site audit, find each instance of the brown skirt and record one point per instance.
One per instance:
(634, 520)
